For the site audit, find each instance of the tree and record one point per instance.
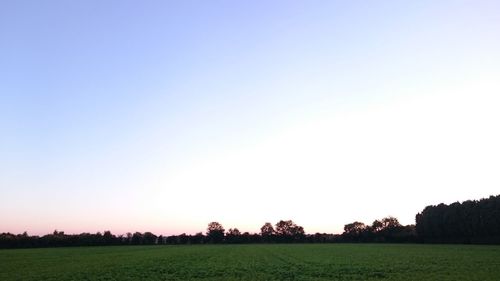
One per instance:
(129, 238)
(137, 238)
(355, 228)
(233, 232)
(267, 232)
(198, 238)
(357, 232)
(472, 221)
(377, 226)
(289, 231)
(108, 237)
(390, 222)
(284, 228)
(215, 232)
(149, 238)
(389, 229)
(233, 235)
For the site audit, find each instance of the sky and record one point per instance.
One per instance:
(164, 116)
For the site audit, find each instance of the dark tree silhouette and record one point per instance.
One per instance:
(385, 230)
(377, 226)
(390, 223)
(215, 232)
(357, 232)
(355, 228)
(233, 232)
(466, 222)
(288, 231)
(267, 232)
(149, 238)
(233, 235)
(137, 238)
(198, 238)
(267, 229)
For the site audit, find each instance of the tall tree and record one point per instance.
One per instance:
(288, 231)
(267, 230)
(215, 232)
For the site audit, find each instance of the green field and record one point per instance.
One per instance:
(255, 262)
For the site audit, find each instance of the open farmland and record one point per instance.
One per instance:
(255, 262)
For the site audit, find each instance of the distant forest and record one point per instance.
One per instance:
(474, 222)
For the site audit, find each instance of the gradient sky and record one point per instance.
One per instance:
(165, 115)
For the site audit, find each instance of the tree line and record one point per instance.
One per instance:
(284, 231)
(467, 222)
(385, 230)
(472, 221)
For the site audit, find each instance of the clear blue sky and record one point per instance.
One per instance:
(164, 115)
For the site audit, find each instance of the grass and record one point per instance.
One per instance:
(255, 262)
